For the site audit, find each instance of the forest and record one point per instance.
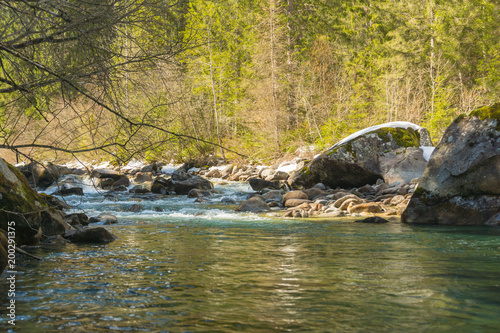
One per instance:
(253, 80)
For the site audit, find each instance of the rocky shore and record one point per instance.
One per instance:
(381, 173)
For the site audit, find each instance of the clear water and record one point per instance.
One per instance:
(202, 268)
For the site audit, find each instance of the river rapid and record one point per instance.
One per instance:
(181, 266)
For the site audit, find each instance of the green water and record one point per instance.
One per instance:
(209, 275)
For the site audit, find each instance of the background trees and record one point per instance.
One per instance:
(167, 79)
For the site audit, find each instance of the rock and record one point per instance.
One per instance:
(367, 189)
(55, 240)
(97, 235)
(20, 204)
(78, 218)
(142, 177)
(349, 202)
(4, 256)
(228, 201)
(275, 195)
(39, 175)
(65, 190)
(402, 165)
(278, 175)
(154, 167)
(295, 202)
(120, 188)
(138, 189)
(53, 223)
(255, 204)
(162, 185)
(294, 195)
(373, 219)
(104, 218)
(461, 185)
(339, 202)
(105, 173)
(354, 162)
(314, 192)
(135, 208)
(369, 207)
(54, 202)
(196, 193)
(396, 200)
(258, 184)
(182, 187)
(123, 181)
(214, 173)
(105, 183)
(266, 172)
(321, 186)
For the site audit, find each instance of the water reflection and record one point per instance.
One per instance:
(265, 276)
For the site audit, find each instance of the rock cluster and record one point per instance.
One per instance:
(461, 184)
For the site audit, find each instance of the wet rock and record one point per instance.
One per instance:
(77, 218)
(295, 202)
(162, 185)
(158, 209)
(96, 235)
(196, 193)
(258, 184)
(105, 183)
(65, 190)
(122, 181)
(104, 218)
(255, 204)
(120, 188)
(373, 219)
(461, 184)
(228, 201)
(135, 208)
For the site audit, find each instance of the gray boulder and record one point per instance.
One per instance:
(461, 184)
(356, 161)
(255, 204)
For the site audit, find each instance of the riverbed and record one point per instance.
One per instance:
(181, 266)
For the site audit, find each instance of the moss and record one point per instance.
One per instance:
(459, 118)
(21, 204)
(403, 137)
(491, 112)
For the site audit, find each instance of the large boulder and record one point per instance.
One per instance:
(33, 214)
(41, 176)
(364, 157)
(461, 184)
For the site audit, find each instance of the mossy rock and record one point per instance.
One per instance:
(21, 204)
(491, 112)
(403, 137)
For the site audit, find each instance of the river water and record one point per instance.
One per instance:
(204, 268)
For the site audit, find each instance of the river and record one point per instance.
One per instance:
(205, 268)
